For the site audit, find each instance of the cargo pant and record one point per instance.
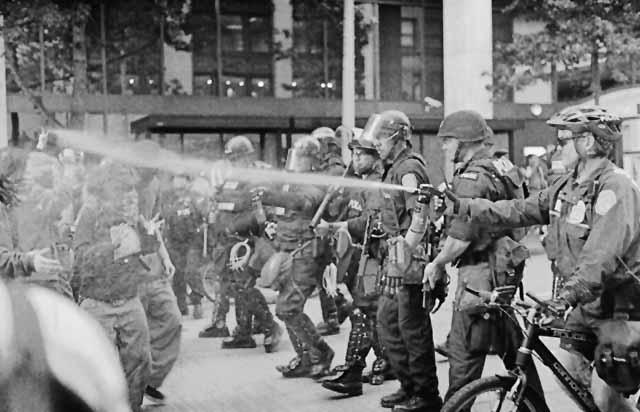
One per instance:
(251, 306)
(470, 333)
(404, 327)
(165, 327)
(293, 292)
(126, 326)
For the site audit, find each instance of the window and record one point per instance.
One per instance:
(204, 85)
(260, 87)
(234, 86)
(259, 34)
(232, 38)
(408, 34)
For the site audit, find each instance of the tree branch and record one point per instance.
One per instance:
(35, 100)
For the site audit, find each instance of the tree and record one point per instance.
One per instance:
(575, 32)
(22, 22)
(67, 38)
(312, 21)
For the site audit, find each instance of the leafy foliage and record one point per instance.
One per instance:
(573, 32)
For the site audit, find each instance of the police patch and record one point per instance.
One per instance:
(606, 200)
(503, 165)
(409, 180)
(469, 175)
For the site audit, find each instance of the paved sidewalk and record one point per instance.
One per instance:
(207, 378)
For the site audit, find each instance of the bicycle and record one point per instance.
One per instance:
(511, 389)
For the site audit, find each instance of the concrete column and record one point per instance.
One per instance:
(468, 49)
(4, 125)
(178, 65)
(282, 68)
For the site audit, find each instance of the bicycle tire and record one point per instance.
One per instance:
(463, 398)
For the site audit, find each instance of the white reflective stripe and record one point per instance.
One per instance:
(226, 206)
(280, 211)
(7, 356)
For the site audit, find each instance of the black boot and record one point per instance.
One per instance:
(215, 331)
(418, 403)
(380, 372)
(389, 401)
(349, 382)
(239, 342)
(352, 346)
(299, 367)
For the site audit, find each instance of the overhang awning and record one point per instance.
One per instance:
(182, 124)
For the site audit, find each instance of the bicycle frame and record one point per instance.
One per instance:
(532, 343)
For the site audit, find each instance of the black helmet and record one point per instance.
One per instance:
(466, 126)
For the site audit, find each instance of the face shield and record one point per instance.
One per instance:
(297, 162)
(378, 130)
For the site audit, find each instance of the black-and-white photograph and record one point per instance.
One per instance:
(319, 205)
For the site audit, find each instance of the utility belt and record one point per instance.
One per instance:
(402, 266)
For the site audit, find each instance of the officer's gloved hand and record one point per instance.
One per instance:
(43, 264)
(555, 311)
(435, 287)
(448, 203)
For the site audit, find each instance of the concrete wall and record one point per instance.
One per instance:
(468, 56)
(178, 65)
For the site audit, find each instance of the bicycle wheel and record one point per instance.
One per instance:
(489, 394)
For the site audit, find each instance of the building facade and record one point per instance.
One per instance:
(272, 69)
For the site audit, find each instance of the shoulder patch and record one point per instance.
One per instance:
(606, 200)
(469, 175)
(409, 180)
(502, 165)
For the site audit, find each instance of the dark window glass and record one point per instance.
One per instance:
(232, 39)
(259, 34)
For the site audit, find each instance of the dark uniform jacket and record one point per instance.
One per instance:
(395, 207)
(481, 178)
(593, 225)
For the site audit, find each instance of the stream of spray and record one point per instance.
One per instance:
(130, 152)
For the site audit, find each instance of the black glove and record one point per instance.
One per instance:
(434, 298)
(556, 307)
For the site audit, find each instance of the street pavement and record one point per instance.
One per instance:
(207, 378)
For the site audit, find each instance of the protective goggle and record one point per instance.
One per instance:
(565, 136)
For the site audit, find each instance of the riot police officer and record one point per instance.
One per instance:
(334, 309)
(365, 271)
(474, 249)
(403, 324)
(233, 222)
(308, 255)
(593, 235)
